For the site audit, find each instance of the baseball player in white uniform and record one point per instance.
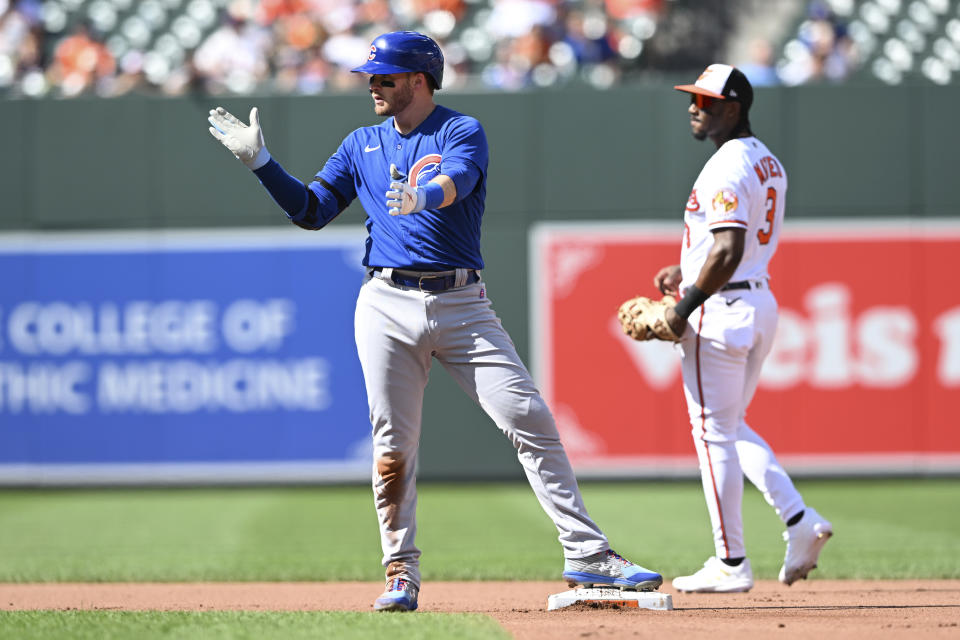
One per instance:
(421, 177)
(727, 318)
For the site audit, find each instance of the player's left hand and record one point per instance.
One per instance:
(644, 319)
(402, 199)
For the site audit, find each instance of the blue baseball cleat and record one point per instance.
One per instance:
(608, 568)
(400, 595)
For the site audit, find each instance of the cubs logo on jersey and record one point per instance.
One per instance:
(425, 169)
(725, 201)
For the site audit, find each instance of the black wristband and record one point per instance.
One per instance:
(692, 298)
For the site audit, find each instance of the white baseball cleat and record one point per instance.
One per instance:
(805, 540)
(717, 577)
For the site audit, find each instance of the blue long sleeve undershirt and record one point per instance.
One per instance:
(286, 191)
(308, 207)
(312, 207)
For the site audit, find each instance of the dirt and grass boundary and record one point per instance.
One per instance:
(816, 608)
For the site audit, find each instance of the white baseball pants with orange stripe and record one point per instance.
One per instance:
(399, 332)
(723, 350)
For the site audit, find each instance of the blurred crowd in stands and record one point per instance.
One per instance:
(68, 48)
(822, 50)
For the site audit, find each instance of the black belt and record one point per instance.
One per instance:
(427, 282)
(743, 284)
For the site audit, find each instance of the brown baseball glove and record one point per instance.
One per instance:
(645, 319)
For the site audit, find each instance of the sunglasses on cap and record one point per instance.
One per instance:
(702, 101)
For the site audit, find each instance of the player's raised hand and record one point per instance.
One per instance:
(402, 198)
(668, 280)
(244, 141)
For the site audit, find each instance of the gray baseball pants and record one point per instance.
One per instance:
(398, 333)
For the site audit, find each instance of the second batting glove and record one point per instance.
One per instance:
(402, 199)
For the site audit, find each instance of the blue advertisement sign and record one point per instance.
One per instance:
(181, 357)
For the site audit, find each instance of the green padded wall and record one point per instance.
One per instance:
(620, 154)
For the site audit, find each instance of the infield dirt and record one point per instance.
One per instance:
(815, 609)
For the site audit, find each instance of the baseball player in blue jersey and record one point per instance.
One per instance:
(421, 176)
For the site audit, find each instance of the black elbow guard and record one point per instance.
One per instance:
(322, 208)
(309, 219)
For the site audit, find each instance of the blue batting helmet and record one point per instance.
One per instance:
(403, 51)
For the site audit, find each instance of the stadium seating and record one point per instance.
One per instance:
(894, 41)
(502, 44)
(505, 44)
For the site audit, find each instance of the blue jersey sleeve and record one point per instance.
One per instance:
(337, 174)
(311, 206)
(331, 191)
(465, 155)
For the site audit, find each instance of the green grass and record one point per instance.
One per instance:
(885, 529)
(242, 625)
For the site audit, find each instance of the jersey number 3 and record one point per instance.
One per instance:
(764, 235)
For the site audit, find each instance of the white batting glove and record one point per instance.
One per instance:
(402, 199)
(244, 141)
